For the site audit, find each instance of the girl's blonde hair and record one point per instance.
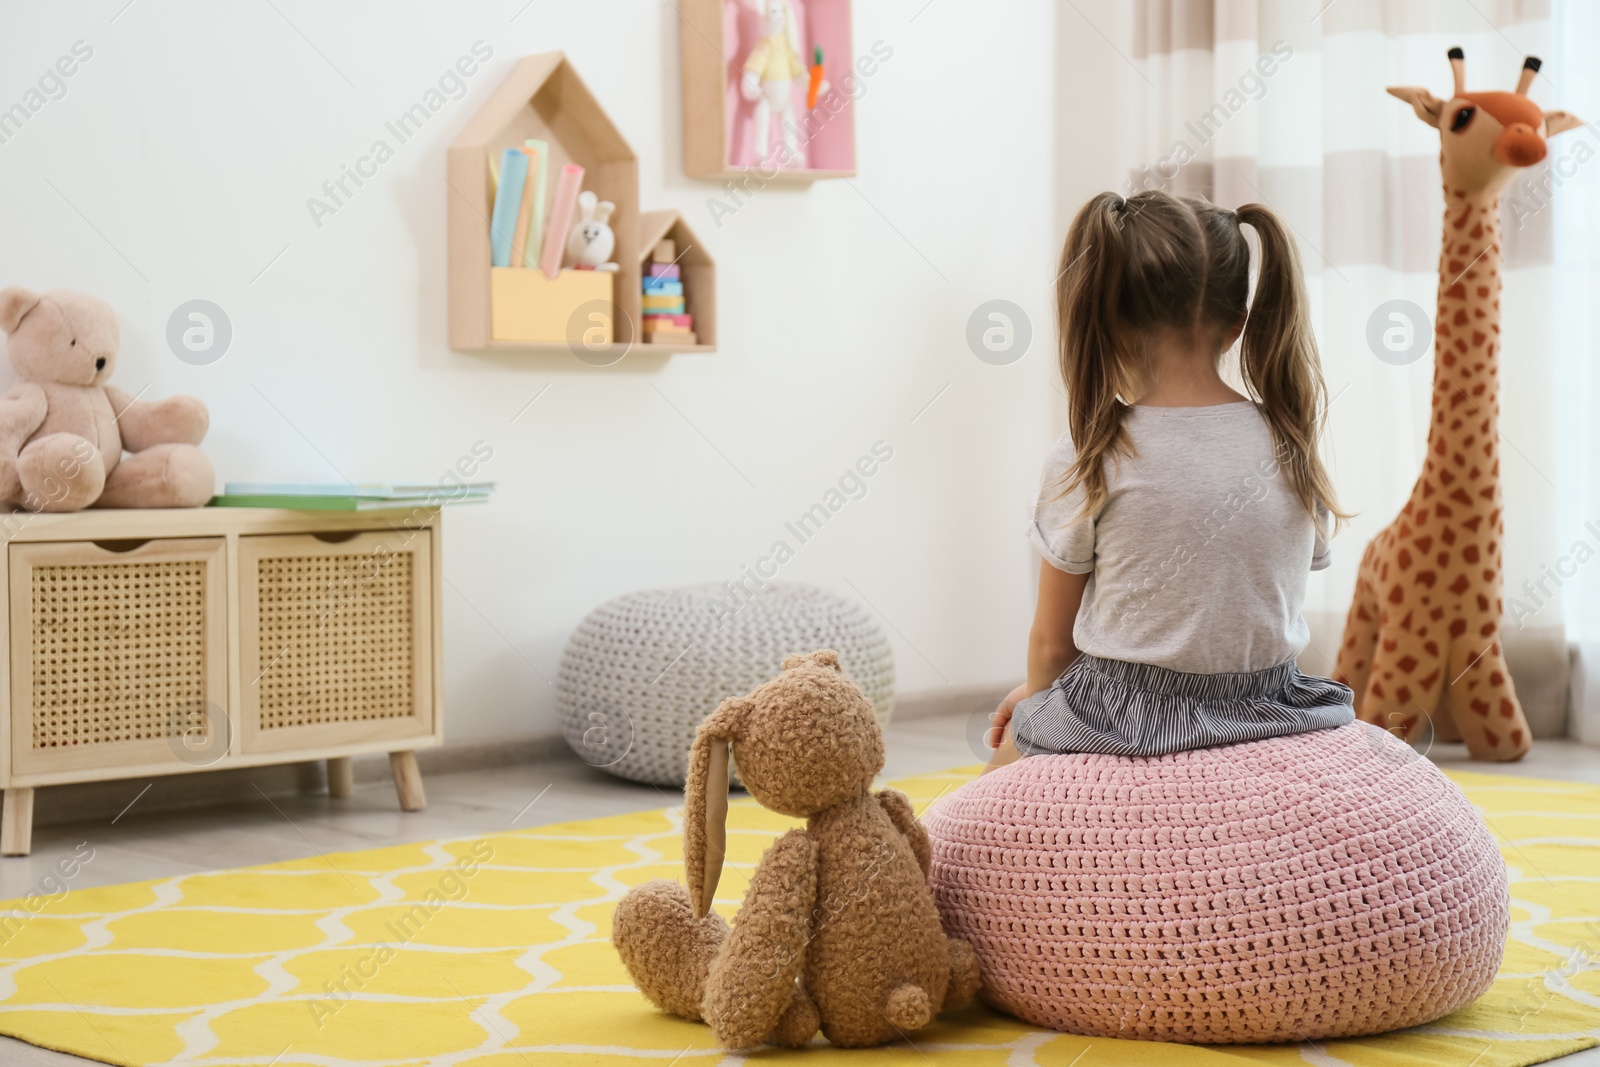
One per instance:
(1152, 262)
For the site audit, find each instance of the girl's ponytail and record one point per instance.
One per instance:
(1279, 362)
(1096, 364)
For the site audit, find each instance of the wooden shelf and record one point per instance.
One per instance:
(719, 137)
(543, 98)
(697, 270)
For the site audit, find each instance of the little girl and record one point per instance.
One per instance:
(1178, 519)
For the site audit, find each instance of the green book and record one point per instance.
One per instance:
(334, 503)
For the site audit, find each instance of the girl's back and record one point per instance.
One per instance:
(1198, 557)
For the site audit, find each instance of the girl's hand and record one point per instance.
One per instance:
(1002, 715)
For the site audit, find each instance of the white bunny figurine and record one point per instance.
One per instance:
(591, 242)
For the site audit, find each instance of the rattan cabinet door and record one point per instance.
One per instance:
(335, 639)
(118, 654)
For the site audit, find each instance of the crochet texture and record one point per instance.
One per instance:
(642, 670)
(1328, 884)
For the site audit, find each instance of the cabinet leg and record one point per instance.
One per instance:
(16, 823)
(407, 781)
(341, 776)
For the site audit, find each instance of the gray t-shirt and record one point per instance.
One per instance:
(1198, 558)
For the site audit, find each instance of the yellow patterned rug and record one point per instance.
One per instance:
(492, 952)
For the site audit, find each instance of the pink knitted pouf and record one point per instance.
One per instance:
(1323, 885)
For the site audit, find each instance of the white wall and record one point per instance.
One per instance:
(179, 163)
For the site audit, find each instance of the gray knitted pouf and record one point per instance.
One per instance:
(642, 670)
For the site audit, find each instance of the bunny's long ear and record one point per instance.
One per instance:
(15, 302)
(603, 210)
(705, 802)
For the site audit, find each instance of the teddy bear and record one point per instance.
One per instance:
(63, 430)
(838, 929)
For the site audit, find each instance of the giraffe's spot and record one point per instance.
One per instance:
(1459, 346)
(1361, 613)
(1460, 495)
(1459, 459)
(1427, 489)
(1476, 232)
(1494, 738)
(1442, 559)
(1443, 512)
(1426, 578)
(1427, 682)
(1425, 543)
(1497, 679)
(1472, 524)
(1485, 427)
(1483, 601)
(1458, 627)
(1436, 614)
(1470, 553)
(1396, 594)
(1493, 544)
(1460, 585)
(1390, 644)
(1403, 559)
(1444, 475)
(1483, 290)
(1403, 694)
(1475, 473)
(1376, 687)
(1405, 623)
(1481, 706)
(1447, 535)
(1383, 572)
(1487, 492)
(1488, 628)
(1488, 574)
(1516, 737)
(1431, 648)
(1407, 664)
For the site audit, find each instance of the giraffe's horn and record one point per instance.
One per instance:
(1458, 67)
(1530, 67)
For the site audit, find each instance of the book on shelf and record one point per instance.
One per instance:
(400, 490)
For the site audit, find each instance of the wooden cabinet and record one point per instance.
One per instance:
(146, 643)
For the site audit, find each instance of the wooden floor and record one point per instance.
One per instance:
(135, 847)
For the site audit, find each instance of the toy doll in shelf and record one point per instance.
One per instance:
(770, 72)
(591, 242)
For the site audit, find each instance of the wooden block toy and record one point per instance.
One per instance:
(669, 305)
(667, 322)
(662, 287)
(665, 251)
(671, 337)
(661, 270)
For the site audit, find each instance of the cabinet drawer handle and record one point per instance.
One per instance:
(124, 544)
(335, 537)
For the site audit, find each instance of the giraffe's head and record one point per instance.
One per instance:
(1485, 137)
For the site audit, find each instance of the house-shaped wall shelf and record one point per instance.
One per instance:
(719, 135)
(697, 270)
(543, 98)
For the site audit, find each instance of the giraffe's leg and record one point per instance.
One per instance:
(1484, 702)
(1360, 638)
(1403, 686)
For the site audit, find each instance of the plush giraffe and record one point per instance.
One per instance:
(1422, 640)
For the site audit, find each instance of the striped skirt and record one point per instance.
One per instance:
(1133, 709)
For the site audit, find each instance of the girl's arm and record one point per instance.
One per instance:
(1050, 649)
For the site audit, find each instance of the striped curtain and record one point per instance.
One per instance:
(1282, 102)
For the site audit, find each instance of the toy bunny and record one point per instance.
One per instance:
(591, 242)
(838, 928)
(770, 72)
